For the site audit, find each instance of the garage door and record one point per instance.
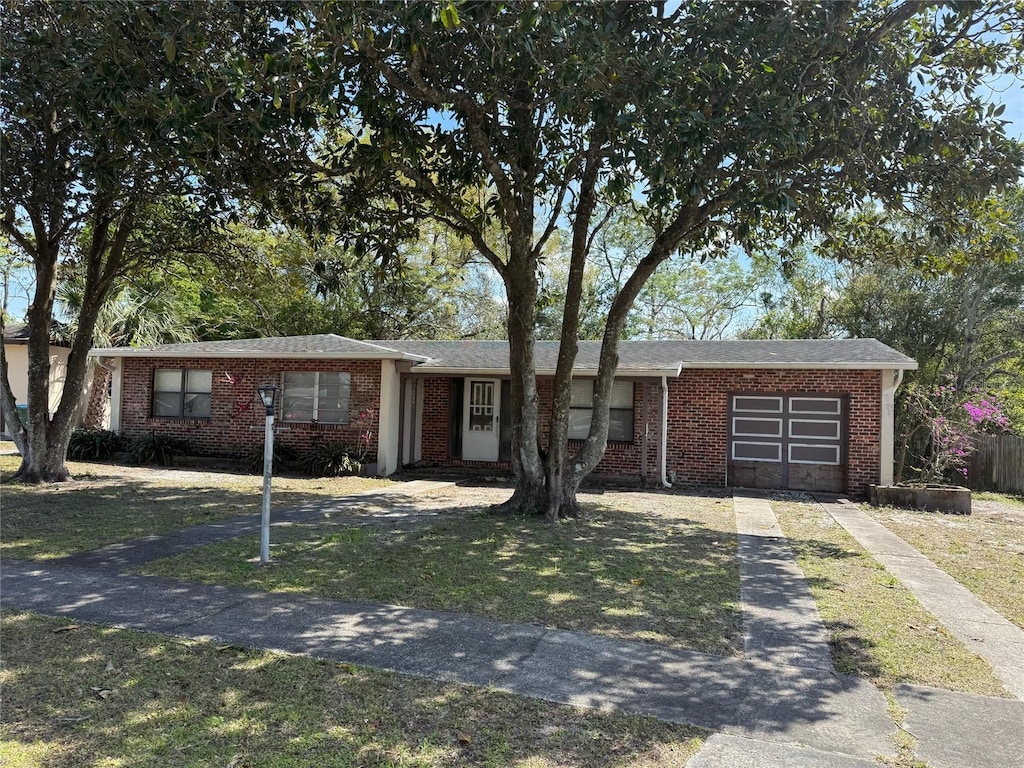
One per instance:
(789, 440)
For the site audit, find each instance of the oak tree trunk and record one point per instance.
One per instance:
(44, 453)
(529, 497)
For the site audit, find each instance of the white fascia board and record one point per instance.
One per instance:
(847, 365)
(238, 355)
(619, 374)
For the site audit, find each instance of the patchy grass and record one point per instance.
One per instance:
(653, 567)
(983, 551)
(92, 696)
(107, 503)
(878, 628)
(1001, 498)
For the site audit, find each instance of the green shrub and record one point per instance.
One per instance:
(284, 455)
(329, 460)
(156, 449)
(94, 444)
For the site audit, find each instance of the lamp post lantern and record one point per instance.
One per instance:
(268, 393)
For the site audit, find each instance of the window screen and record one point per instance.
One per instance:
(320, 396)
(181, 394)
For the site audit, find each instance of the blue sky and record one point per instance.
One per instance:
(1010, 92)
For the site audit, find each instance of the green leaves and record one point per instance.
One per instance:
(449, 16)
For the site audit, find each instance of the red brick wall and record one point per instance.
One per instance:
(435, 421)
(698, 418)
(697, 423)
(619, 459)
(236, 414)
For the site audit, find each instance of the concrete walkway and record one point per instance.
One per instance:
(781, 624)
(987, 633)
(747, 698)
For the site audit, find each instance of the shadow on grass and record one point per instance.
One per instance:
(77, 697)
(54, 521)
(627, 574)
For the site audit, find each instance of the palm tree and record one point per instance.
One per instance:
(131, 317)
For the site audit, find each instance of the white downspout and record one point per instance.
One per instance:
(664, 432)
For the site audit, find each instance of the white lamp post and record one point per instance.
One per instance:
(268, 392)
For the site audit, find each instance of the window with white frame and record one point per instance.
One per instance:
(620, 410)
(315, 396)
(181, 394)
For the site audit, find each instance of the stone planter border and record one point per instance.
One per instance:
(954, 499)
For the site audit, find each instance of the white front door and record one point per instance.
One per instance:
(480, 420)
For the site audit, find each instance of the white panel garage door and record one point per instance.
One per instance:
(787, 440)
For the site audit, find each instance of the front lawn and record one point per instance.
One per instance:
(107, 503)
(878, 629)
(654, 567)
(983, 551)
(82, 695)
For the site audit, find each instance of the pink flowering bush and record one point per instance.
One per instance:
(950, 419)
(365, 423)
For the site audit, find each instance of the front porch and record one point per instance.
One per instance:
(465, 422)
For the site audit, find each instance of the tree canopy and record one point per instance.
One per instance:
(722, 124)
(954, 302)
(114, 114)
(719, 125)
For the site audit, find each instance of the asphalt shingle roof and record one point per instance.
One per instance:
(668, 355)
(15, 332)
(634, 356)
(325, 345)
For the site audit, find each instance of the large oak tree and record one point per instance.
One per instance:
(127, 128)
(721, 123)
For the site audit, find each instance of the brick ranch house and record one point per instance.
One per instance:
(803, 415)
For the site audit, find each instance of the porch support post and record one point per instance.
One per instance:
(403, 383)
(116, 385)
(664, 432)
(891, 380)
(388, 419)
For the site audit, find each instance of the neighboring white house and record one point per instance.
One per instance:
(15, 341)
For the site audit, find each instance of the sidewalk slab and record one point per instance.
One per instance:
(983, 630)
(152, 605)
(723, 751)
(789, 704)
(955, 730)
(852, 713)
(781, 624)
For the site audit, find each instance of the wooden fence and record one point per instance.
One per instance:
(998, 464)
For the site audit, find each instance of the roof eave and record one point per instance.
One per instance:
(239, 355)
(910, 365)
(622, 373)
